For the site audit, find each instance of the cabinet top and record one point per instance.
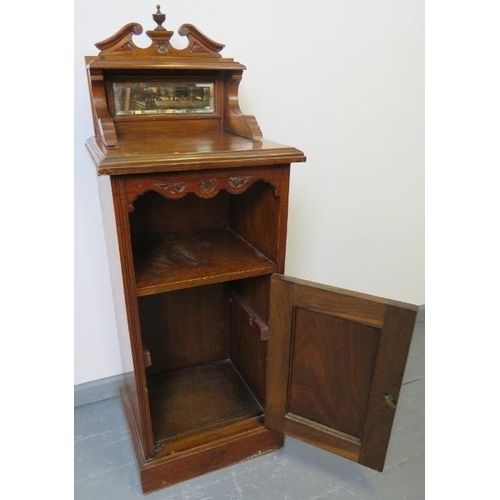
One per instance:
(160, 108)
(164, 153)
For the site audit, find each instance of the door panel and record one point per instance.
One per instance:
(332, 362)
(335, 359)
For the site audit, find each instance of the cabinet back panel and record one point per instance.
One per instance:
(157, 127)
(185, 328)
(155, 216)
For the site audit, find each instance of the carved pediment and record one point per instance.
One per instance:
(121, 44)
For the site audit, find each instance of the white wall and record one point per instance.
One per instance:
(345, 85)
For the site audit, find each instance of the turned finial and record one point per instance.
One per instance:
(159, 19)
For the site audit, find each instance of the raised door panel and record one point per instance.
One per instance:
(335, 366)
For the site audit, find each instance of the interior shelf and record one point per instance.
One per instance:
(186, 260)
(190, 400)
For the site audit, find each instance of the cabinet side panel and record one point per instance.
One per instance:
(260, 217)
(115, 272)
(248, 351)
(135, 379)
(120, 309)
(256, 292)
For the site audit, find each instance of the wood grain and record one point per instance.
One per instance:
(195, 259)
(205, 184)
(254, 215)
(226, 429)
(322, 436)
(136, 378)
(333, 357)
(331, 370)
(388, 374)
(157, 152)
(185, 328)
(199, 398)
(155, 216)
(279, 344)
(209, 457)
(243, 441)
(201, 204)
(247, 349)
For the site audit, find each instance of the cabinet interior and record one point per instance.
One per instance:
(203, 268)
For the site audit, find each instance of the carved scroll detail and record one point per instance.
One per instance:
(235, 121)
(173, 187)
(103, 123)
(204, 187)
(207, 185)
(199, 42)
(121, 40)
(238, 182)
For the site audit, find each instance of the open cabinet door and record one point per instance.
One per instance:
(335, 365)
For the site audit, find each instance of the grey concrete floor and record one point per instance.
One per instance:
(105, 467)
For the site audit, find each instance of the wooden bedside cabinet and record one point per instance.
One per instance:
(222, 354)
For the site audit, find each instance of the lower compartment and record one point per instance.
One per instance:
(226, 446)
(201, 398)
(205, 352)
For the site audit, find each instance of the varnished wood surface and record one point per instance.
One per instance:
(334, 355)
(247, 349)
(209, 457)
(256, 292)
(255, 215)
(395, 339)
(245, 310)
(175, 64)
(243, 440)
(209, 184)
(331, 370)
(222, 219)
(194, 399)
(322, 437)
(155, 216)
(135, 154)
(368, 305)
(186, 327)
(136, 376)
(224, 430)
(196, 259)
(278, 350)
(121, 45)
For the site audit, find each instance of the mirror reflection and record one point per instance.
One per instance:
(149, 98)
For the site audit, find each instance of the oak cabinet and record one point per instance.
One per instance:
(223, 355)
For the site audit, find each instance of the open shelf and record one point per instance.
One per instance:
(197, 399)
(186, 260)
